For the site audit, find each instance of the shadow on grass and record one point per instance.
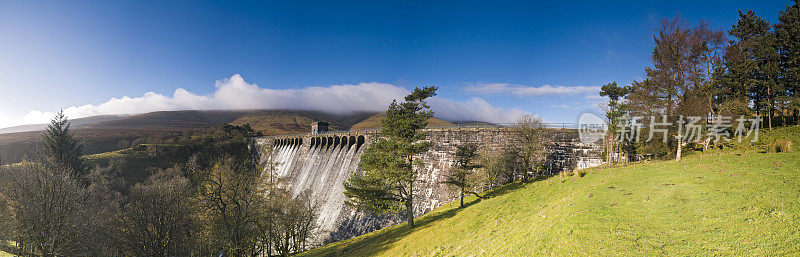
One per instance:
(10, 250)
(380, 241)
(383, 238)
(513, 186)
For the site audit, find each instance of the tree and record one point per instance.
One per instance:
(461, 175)
(756, 61)
(670, 86)
(48, 210)
(501, 166)
(616, 109)
(157, 219)
(231, 208)
(676, 83)
(61, 147)
(386, 184)
(530, 133)
(291, 222)
(787, 31)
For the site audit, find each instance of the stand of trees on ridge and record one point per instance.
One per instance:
(752, 69)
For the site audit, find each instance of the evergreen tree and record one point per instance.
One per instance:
(461, 176)
(61, 147)
(387, 182)
(756, 62)
(616, 109)
(787, 31)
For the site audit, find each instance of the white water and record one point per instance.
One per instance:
(320, 170)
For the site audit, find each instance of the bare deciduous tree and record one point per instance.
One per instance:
(156, 220)
(530, 132)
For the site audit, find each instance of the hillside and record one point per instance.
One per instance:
(109, 133)
(733, 202)
(374, 122)
(76, 123)
(294, 122)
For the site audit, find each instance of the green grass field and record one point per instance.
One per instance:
(734, 202)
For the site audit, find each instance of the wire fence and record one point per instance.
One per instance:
(457, 126)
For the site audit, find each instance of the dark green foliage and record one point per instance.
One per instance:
(757, 61)
(616, 110)
(613, 91)
(787, 31)
(60, 147)
(387, 182)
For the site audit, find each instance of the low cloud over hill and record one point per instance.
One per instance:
(236, 93)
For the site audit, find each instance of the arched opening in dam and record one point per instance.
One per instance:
(360, 142)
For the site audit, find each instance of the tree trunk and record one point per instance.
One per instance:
(610, 149)
(769, 111)
(410, 211)
(462, 198)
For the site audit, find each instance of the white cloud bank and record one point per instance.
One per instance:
(236, 93)
(529, 91)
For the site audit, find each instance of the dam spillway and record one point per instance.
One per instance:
(319, 164)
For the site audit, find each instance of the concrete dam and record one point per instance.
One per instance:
(320, 162)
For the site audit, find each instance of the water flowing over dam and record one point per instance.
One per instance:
(319, 164)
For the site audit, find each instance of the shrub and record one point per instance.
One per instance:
(780, 146)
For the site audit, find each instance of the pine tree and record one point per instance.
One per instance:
(616, 109)
(387, 182)
(787, 31)
(757, 62)
(61, 147)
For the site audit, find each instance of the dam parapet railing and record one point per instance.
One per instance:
(459, 126)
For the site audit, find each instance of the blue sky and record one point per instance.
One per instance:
(545, 58)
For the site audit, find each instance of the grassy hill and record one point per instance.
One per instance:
(294, 122)
(734, 202)
(374, 122)
(76, 123)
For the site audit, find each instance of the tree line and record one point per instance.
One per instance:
(223, 201)
(750, 70)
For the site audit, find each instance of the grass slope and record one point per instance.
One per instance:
(741, 202)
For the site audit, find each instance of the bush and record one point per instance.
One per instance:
(780, 146)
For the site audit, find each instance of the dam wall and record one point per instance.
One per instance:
(320, 163)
